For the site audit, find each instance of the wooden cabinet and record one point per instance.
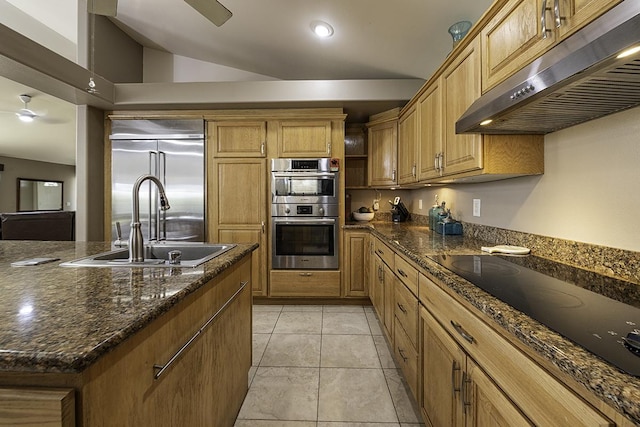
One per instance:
(430, 137)
(376, 291)
(304, 138)
(382, 293)
(451, 335)
(237, 138)
(383, 149)
(356, 264)
(304, 283)
(460, 88)
(514, 36)
(575, 14)
(124, 387)
(237, 209)
(408, 155)
(31, 407)
(455, 391)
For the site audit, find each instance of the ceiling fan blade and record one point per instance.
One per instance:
(102, 7)
(213, 10)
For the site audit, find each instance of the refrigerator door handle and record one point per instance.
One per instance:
(153, 203)
(162, 175)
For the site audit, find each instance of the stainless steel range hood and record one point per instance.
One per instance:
(578, 80)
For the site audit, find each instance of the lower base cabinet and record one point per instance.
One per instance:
(471, 375)
(206, 384)
(455, 391)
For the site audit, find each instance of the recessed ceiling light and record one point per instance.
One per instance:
(485, 122)
(322, 29)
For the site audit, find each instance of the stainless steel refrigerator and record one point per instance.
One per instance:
(173, 151)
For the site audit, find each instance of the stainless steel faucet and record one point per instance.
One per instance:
(136, 241)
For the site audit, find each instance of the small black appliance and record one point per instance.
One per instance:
(399, 212)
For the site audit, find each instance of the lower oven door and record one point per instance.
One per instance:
(305, 243)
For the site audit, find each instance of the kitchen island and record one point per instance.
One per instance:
(613, 392)
(103, 336)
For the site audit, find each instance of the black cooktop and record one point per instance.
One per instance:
(608, 328)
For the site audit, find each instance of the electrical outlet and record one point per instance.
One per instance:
(376, 205)
(420, 204)
(476, 207)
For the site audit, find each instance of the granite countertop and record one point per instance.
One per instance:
(61, 319)
(619, 390)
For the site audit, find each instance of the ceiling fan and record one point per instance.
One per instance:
(27, 115)
(213, 10)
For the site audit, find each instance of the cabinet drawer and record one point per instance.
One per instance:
(406, 311)
(407, 357)
(304, 283)
(542, 398)
(384, 252)
(407, 274)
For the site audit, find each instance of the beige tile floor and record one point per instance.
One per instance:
(323, 366)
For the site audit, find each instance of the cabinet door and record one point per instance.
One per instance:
(461, 87)
(383, 152)
(237, 209)
(408, 147)
(238, 138)
(377, 289)
(442, 365)
(430, 131)
(513, 38)
(304, 139)
(485, 404)
(259, 256)
(576, 14)
(389, 280)
(356, 265)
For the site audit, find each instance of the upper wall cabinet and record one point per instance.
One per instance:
(383, 149)
(308, 138)
(521, 31)
(460, 87)
(408, 155)
(430, 136)
(238, 138)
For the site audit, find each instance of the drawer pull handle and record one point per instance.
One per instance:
(380, 251)
(402, 273)
(459, 329)
(404, 358)
(306, 274)
(454, 368)
(401, 307)
(162, 368)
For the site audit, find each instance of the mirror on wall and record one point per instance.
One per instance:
(39, 195)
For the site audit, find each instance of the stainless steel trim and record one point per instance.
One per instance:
(580, 79)
(161, 369)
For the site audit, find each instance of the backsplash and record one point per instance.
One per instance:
(611, 262)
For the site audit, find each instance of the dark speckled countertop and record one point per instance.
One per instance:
(61, 319)
(619, 390)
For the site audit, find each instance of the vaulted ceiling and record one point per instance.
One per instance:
(263, 40)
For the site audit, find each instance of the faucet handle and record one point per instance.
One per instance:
(119, 242)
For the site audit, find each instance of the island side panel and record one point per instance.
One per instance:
(207, 383)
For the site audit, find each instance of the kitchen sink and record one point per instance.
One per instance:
(155, 255)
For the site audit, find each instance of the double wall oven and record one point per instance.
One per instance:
(304, 214)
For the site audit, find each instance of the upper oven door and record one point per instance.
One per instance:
(305, 187)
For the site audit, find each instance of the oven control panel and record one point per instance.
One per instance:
(304, 210)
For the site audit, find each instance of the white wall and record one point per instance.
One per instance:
(162, 67)
(590, 191)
